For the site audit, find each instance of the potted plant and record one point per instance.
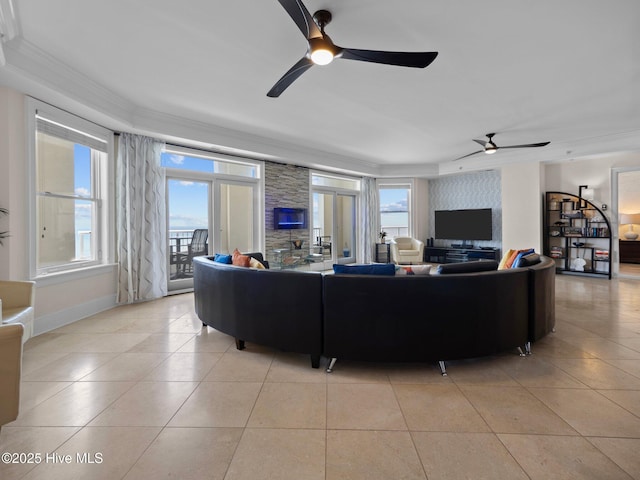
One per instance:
(382, 236)
(3, 211)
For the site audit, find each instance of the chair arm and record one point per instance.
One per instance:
(16, 294)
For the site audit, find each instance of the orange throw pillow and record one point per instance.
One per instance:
(239, 259)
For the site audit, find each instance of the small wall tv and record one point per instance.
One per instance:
(289, 218)
(470, 224)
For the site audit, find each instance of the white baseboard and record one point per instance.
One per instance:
(49, 322)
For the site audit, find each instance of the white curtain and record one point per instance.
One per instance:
(369, 218)
(141, 212)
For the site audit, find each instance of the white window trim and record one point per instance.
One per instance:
(106, 242)
(400, 183)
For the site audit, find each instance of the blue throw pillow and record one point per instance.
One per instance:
(221, 258)
(373, 269)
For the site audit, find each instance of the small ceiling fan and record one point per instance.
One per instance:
(321, 50)
(490, 147)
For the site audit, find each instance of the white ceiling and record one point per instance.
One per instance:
(547, 70)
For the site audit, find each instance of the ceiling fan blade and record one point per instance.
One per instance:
(468, 155)
(288, 78)
(481, 142)
(302, 18)
(401, 59)
(528, 145)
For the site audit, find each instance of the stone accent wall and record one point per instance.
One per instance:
(285, 186)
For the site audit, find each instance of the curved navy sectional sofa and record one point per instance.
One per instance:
(378, 318)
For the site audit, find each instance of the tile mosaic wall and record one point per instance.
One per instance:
(285, 186)
(473, 190)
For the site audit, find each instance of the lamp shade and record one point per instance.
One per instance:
(630, 218)
(589, 193)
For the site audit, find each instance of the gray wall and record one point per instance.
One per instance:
(473, 190)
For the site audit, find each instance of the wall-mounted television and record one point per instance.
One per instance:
(289, 218)
(470, 224)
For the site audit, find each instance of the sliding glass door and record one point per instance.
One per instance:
(334, 227)
(188, 205)
(236, 218)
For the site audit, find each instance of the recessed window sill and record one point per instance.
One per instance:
(71, 275)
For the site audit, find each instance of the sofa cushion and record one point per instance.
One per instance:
(256, 263)
(528, 260)
(222, 258)
(468, 267)
(373, 269)
(258, 256)
(413, 269)
(239, 259)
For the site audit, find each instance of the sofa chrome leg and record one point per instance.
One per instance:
(443, 368)
(331, 364)
(521, 352)
(527, 348)
(239, 344)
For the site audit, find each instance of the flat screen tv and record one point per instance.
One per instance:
(472, 224)
(289, 218)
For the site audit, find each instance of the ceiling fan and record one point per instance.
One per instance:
(490, 147)
(322, 50)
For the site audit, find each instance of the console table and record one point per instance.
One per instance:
(629, 251)
(459, 254)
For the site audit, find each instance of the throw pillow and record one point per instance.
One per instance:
(239, 259)
(467, 267)
(505, 259)
(413, 270)
(519, 255)
(373, 269)
(528, 260)
(256, 263)
(222, 258)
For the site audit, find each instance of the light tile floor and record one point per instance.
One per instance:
(145, 392)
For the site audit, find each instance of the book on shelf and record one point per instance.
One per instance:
(556, 252)
(599, 254)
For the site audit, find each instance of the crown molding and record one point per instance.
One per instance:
(32, 71)
(9, 26)
(229, 141)
(39, 74)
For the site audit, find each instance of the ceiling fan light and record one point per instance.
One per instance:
(489, 149)
(322, 56)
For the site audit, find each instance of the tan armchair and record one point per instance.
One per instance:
(10, 366)
(406, 250)
(18, 299)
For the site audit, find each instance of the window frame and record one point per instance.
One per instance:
(398, 183)
(102, 180)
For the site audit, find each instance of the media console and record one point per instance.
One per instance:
(459, 254)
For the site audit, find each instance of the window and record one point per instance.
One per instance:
(70, 165)
(214, 192)
(395, 209)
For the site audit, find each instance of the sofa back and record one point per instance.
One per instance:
(420, 318)
(542, 308)
(281, 309)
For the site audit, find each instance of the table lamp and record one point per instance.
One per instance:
(630, 219)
